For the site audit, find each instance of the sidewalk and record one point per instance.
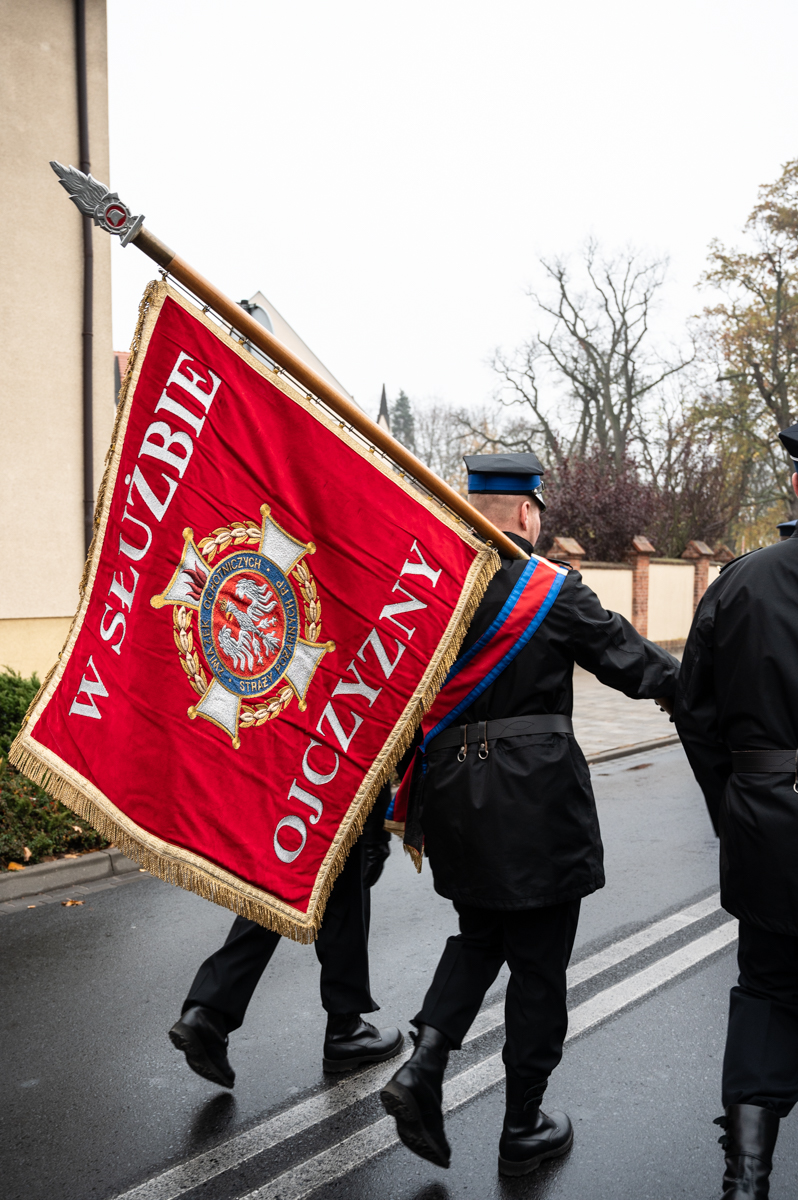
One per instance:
(607, 720)
(106, 865)
(604, 720)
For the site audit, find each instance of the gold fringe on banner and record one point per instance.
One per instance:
(173, 863)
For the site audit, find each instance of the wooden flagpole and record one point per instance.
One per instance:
(111, 214)
(254, 332)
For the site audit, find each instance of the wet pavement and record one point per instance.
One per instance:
(605, 719)
(94, 1101)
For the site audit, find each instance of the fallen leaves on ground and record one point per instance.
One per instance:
(12, 866)
(26, 854)
(70, 903)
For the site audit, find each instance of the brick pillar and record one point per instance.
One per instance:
(569, 550)
(699, 553)
(639, 555)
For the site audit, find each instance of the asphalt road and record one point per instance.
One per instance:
(94, 1101)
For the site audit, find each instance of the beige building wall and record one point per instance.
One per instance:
(612, 583)
(41, 482)
(670, 600)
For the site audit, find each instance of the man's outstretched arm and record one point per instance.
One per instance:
(608, 646)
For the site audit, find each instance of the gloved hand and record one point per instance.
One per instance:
(376, 839)
(374, 858)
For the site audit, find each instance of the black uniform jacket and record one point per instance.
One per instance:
(739, 691)
(520, 829)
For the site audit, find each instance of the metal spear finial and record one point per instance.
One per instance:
(97, 201)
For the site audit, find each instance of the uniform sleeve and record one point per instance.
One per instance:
(696, 710)
(607, 645)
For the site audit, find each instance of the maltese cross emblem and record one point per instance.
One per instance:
(258, 621)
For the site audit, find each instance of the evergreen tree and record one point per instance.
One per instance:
(403, 421)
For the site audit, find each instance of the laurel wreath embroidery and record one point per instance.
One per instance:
(312, 603)
(239, 533)
(184, 640)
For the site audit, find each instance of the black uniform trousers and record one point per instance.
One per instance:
(761, 1061)
(227, 980)
(536, 944)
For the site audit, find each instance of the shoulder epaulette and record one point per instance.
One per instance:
(740, 558)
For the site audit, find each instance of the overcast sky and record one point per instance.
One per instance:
(389, 174)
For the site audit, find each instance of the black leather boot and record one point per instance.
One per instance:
(201, 1035)
(350, 1041)
(749, 1140)
(414, 1097)
(529, 1135)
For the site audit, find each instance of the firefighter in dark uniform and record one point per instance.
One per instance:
(737, 715)
(513, 837)
(223, 986)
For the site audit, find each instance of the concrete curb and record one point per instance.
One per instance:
(64, 872)
(635, 748)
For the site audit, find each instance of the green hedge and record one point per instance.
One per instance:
(29, 819)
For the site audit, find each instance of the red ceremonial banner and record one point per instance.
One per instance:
(268, 610)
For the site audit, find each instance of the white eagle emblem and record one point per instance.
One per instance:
(254, 624)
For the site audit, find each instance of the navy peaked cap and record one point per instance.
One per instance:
(789, 440)
(504, 464)
(508, 474)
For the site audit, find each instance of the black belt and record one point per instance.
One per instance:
(488, 731)
(775, 762)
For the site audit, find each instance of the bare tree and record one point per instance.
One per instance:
(443, 435)
(599, 348)
(438, 441)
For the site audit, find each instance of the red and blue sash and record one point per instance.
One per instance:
(521, 616)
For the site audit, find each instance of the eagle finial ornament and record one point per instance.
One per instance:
(95, 200)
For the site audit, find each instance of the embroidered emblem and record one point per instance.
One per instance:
(249, 622)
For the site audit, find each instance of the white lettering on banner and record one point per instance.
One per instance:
(404, 606)
(316, 777)
(299, 825)
(131, 551)
(295, 792)
(159, 429)
(179, 410)
(335, 724)
(173, 448)
(118, 588)
(375, 641)
(190, 380)
(92, 688)
(190, 385)
(157, 507)
(359, 688)
(420, 568)
(344, 688)
(107, 634)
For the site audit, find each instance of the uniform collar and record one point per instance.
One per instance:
(519, 541)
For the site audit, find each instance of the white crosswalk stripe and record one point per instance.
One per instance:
(364, 1145)
(345, 1156)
